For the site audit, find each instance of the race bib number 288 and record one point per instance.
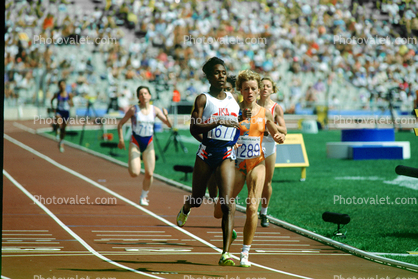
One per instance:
(250, 147)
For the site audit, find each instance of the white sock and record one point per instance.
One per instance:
(263, 210)
(144, 194)
(246, 248)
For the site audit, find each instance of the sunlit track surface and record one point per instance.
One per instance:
(129, 238)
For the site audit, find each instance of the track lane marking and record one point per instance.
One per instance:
(67, 229)
(25, 231)
(130, 231)
(94, 183)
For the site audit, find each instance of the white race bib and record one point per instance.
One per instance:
(250, 147)
(222, 132)
(144, 129)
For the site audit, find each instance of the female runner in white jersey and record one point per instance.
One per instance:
(214, 123)
(268, 87)
(142, 119)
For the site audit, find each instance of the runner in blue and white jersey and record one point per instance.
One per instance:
(142, 118)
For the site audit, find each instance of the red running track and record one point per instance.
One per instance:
(114, 237)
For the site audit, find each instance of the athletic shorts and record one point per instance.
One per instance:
(141, 142)
(245, 166)
(214, 156)
(269, 148)
(65, 114)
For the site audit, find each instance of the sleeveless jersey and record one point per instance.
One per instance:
(226, 109)
(251, 136)
(143, 125)
(63, 102)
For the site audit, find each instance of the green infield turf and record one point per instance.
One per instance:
(383, 206)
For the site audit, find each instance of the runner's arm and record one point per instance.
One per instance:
(279, 119)
(272, 128)
(52, 100)
(127, 116)
(163, 116)
(70, 100)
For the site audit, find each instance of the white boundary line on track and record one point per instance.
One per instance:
(67, 229)
(278, 222)
(46, 158)
(24, 128)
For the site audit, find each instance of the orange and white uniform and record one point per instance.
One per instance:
(250, 153)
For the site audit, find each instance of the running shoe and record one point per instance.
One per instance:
(244, 262)
(226, 260)
(264, 220)
(182, 218)
(61, 147)
(143, 202)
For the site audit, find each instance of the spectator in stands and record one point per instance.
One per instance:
(310, 96)
(334, 103)
(113, 97)
(296, 28)
(125, 99)
(295, 89)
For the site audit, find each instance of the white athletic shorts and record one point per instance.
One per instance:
(269, 146)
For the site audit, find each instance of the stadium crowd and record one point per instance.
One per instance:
(167, 42)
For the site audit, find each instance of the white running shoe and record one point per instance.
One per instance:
(244, 262)
(143, 202)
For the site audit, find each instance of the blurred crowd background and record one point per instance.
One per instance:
(106, 49)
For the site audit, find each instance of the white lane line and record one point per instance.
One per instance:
(34, 249)
(24, 128)
(137, 235)
(15, 238)
(156, 250)
(25, 231)
(284, 251)
(25, 242)
(4, 277)
(94, 183)
(265, 240)
(257, 233)
(67, 229)
(28, 234)
(147, 248)
(129, 231)
(273, 244)
(136, 239)
(261, 236)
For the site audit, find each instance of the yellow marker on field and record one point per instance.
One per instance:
(292, 153)
(416, 129)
